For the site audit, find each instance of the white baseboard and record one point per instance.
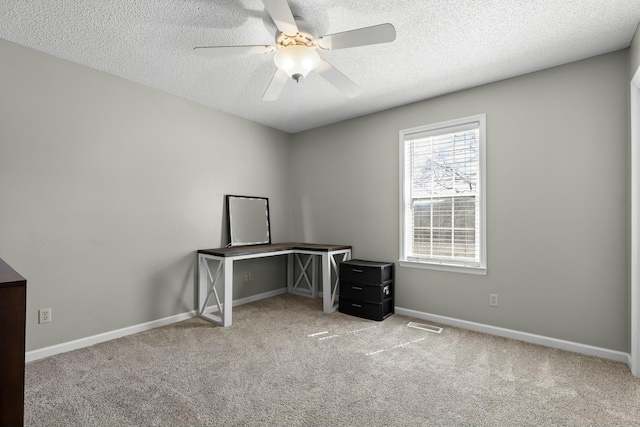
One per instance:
(617, 356)
(589, 350)
(41, 353)
(258, 297)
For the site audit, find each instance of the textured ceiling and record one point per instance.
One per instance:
(442, 46)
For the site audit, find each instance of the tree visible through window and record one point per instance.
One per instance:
(442, 220)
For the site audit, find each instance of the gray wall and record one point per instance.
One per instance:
(107, 188)
(557, 194)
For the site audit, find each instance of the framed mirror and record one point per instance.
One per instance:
(248, 220)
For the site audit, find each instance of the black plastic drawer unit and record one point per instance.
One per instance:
(366, 289)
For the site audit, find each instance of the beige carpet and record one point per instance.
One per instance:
(285, 363)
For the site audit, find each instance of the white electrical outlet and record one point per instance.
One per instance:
(493, 300)
(44, 315)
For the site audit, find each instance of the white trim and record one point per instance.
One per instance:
(444, 267)
(479, 327)
(41, 353)
(589, 350)
(635, 224)
(258, 297)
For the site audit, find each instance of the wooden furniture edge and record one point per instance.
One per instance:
(275, 247)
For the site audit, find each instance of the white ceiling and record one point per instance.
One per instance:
(442, 46)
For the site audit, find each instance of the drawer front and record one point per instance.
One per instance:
(365, 272)
(366, 293)
(366, 310)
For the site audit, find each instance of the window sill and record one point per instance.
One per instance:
(445, 267)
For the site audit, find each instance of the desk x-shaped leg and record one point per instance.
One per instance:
(330, 287)
(311, 283)
(207, 287)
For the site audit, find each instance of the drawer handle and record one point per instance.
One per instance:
(356, 271)
(356, 288)
(356, 305)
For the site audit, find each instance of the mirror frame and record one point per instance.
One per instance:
(230, 231)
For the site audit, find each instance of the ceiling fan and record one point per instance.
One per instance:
(296, 50)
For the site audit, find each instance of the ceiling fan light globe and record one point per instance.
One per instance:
(297, 60)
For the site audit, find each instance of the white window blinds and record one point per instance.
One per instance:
(442, 194)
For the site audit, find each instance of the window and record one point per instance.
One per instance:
(442, 196)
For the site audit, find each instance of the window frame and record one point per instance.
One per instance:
(451, 266)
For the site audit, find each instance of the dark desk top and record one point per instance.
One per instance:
(9, 277)
(276, 247)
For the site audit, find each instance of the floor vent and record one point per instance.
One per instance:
(424, 327)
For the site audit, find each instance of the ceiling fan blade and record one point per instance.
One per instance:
(281, 14)
(339, 80)
(275, 87)
(231, 50)
(383, 33)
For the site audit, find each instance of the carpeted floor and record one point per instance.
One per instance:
(285, 363)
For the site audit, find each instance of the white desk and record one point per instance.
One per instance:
(305, 284)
